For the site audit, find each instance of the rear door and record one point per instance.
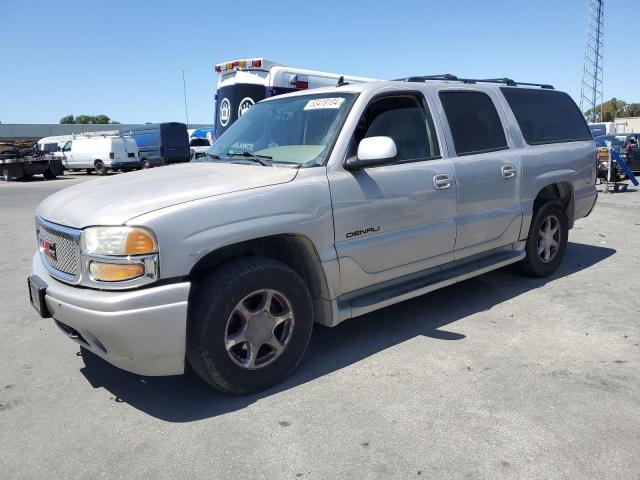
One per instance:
(488, 171)
(396, 219)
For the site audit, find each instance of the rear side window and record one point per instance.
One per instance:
(474, 122)
(546, 116)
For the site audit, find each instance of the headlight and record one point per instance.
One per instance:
(125, 257)
(118, 241)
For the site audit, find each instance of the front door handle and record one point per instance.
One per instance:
(508, 171)
(441, 182)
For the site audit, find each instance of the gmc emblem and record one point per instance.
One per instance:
(48, 248)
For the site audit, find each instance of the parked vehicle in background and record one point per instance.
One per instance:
(621, 143)
(20, 164)
(168, 141)
(606, 128)
(243, 83)
(316, 206)
(200, 139)
(101, 153)
(53, 145)
(198, 147)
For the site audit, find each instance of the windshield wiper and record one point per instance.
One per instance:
(213, 156)
(263, 160)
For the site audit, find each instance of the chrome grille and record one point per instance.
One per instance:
(66, 248)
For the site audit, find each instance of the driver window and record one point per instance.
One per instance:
(406, 120)
(67, 146)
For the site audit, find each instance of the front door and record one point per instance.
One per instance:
(395, 219)
(67, 155)
(487, 170)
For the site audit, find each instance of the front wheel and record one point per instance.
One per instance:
(100, 168)
(547, 240)
(250, 323)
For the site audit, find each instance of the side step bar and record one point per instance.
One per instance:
(395, 291)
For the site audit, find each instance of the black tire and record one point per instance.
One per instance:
(48, 174)
(211, 307)
(534, 264)
(100, 168)
(145, 164)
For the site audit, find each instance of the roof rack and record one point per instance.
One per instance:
(454, 78)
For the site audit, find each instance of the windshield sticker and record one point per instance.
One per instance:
(243, 146)
(318, 103)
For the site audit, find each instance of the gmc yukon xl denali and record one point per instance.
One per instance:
(315, 206)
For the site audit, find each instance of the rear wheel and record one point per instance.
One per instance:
(249, 325)
(100, 168)
(547, 240)
(145, 164)
(48, 174)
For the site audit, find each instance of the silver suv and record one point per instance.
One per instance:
(316, 206)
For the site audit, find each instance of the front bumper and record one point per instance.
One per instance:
(142, 331)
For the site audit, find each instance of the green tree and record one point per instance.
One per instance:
(610, 110)
(68, 119)
(101, 119)
(632, 110)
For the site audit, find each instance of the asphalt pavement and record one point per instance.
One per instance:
(501, 376)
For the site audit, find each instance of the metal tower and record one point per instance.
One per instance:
(591, 93)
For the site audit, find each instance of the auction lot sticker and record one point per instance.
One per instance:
(318, 103)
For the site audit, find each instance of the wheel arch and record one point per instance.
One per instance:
(561, 191)
(294, 250)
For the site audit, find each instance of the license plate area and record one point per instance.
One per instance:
(37, 292)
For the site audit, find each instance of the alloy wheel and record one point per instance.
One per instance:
(259, 329)
(549, 238)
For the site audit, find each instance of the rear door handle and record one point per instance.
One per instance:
(508, 171)
(441, 182)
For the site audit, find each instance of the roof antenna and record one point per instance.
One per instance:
(341, 81)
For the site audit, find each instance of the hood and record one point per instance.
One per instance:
(114, 200)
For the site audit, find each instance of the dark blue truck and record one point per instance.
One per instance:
(168, 141)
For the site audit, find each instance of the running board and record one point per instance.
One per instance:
(395, 291)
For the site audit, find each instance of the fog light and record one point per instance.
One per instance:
(115, 272)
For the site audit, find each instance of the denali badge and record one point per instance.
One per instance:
(48, 248)
(363, 232)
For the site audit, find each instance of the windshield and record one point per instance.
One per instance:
(298, 130)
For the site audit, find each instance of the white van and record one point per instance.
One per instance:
(53, 145)
(606, 128)
(243, 83)
(101, 153)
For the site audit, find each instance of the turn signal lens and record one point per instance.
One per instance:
(114, 272)
(139, 242)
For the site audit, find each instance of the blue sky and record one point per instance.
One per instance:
(125, 58)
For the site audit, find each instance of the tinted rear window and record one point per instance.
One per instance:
(546, 116)
(474, 122)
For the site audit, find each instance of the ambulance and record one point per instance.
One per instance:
(242, 83)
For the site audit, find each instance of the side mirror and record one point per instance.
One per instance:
(373, 152)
